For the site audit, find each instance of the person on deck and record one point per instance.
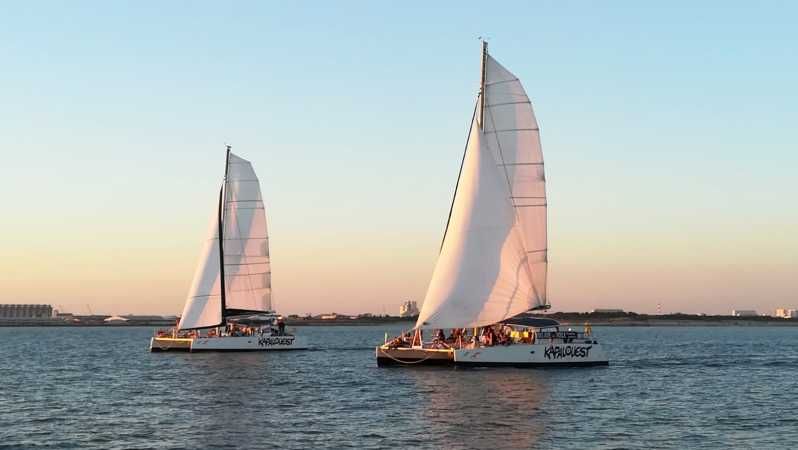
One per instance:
(280, 325)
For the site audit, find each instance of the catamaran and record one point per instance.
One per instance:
(492, 267)
(229, 304)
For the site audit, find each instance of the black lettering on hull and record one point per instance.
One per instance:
(270, 341)
(566, 351)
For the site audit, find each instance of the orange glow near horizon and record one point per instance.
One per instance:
(354, 273)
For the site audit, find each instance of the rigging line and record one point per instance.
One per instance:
(459, 174)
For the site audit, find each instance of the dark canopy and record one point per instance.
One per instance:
(526, 320)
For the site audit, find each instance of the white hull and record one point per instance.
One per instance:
(515, 355)
(533, 355)
(230, 344)
(248, 343)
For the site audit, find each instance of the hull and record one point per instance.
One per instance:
(533, 355)
(516, 355)
(167, 344)
(248, 344)
(228, 344)
(413, 356)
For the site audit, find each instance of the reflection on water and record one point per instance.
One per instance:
(483, 407)
(665, 388)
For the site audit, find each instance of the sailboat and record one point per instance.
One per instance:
(229, 303)
(492, 267)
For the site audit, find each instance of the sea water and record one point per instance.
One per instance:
(665, 387)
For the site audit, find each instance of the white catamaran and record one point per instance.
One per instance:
(229, 304)
(493, 259)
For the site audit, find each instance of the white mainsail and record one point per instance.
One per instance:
(247, 271)
(493, 260)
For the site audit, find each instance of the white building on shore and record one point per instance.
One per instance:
(408, 309)
(744, 313)
(787, 313)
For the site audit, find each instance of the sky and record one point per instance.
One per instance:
(668, 132)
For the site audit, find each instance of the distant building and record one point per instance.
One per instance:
(115, 320)
(408, 309)
(332, 316)
(607, 311)
(26, 311)
(744, 313)
(785, 313)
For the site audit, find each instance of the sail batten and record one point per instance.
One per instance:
(493, 260)
(239, 268)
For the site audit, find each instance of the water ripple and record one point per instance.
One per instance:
(666, 388)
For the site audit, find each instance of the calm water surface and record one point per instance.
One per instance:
(728, 387)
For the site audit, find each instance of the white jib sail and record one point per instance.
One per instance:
(246, 254)
(492, 264)
(204, 304)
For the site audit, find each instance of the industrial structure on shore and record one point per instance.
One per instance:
(26, 311)
(45, 315)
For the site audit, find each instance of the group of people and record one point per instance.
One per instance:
(231, 329)
(499, 334)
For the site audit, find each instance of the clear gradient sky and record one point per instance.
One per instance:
(669, 134)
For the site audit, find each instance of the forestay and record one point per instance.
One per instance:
(493, 260)
(245, 246)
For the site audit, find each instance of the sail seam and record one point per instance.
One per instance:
(510, 192)
(521, 164)
(512, 129)
(247, 275)
(526, 102)
(501, 82)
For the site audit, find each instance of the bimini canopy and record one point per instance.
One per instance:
(525, 320)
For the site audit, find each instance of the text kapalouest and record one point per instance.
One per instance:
(267, 341)
(557, 352)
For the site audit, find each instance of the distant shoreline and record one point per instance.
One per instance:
(565, 319)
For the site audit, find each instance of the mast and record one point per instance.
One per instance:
(221, 231)
(482, 84)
